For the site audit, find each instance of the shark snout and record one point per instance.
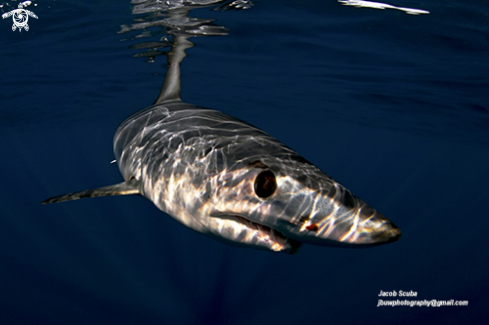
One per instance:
(387, 233)
(375, 229)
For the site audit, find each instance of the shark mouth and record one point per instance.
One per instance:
(266, 237)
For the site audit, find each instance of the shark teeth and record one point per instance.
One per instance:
(264, 236)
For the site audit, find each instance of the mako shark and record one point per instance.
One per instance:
(231, 181)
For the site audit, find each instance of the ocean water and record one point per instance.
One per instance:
(393, 106)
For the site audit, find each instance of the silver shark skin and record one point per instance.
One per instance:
(231, 181)
(200, 166)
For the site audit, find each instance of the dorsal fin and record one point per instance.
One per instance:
(124, 188)
(170, 91)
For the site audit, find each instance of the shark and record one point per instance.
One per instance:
(230, 180)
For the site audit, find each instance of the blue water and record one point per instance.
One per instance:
(393, 106)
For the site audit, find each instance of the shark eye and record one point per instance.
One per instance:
(265, 184)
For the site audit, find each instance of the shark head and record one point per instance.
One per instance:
(298, 202)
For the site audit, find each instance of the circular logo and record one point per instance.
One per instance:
(20, 17)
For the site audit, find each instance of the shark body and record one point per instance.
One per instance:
(229, 180)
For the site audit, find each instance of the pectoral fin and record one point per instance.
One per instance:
(124, 188)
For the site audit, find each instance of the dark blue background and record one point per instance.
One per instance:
(393, 106)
